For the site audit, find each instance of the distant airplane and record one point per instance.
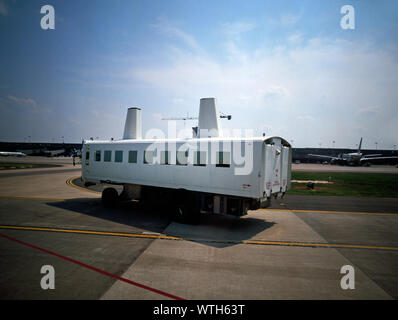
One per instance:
(354, 158)
(9, 154)
(76, 153)
(54, 153)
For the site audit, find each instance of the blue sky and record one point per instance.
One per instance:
(281, 67)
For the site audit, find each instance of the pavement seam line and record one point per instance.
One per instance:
(31, 198)
(330, 212)
(165, 237)
(168, 295)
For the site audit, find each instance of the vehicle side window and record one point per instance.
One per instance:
(118, 156)
(107, 156)
(148, 157)
(223, 159)
(199, 158)
(165, 157)
(132, 156)
(97, 155)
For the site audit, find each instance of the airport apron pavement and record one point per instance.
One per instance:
(218, 259)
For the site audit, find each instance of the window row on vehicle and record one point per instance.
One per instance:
(199, 157)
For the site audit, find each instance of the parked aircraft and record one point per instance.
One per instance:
(354, 158)
(15, 154)
(54, 153)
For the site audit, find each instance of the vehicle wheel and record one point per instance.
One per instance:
(180, 214)
(186, 215)
(110, 197)
(187, 210)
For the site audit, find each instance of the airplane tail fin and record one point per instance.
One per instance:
(360, 145)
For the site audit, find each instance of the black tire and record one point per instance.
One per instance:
(110, 197)
(180, 213)
(187, 208)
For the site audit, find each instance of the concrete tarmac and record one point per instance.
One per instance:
(294, 250)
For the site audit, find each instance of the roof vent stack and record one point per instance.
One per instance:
(209, 119)
(133, 125)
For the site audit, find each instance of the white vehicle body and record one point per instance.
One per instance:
(270, 173)
(222, 168)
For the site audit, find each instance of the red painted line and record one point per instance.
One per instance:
(168, 295)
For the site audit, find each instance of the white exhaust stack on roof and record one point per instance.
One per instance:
(133, 125)
(209, 119)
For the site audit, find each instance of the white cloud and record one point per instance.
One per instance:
(300, 77)
(305, 118)
(157, 116)
(276, 91)
(368, 110)
(289, 19)
(235, 29)
(285, 20)
(27, 104)
(103, 116)
(321, 80)
(295, 38)
(165, 27)
(178, 101)
(25, 101)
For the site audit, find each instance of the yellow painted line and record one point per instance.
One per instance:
(332, 212)
(164, 237)
(133, 235)
(326, 245)
(31, 198)
(70, 183)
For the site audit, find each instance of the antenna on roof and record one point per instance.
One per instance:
(222, 116)
(207, 119)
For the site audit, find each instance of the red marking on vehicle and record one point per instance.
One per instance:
(276, 183)
(168, 295)
(268, 185)
(246, 185)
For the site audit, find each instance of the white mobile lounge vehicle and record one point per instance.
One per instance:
(206, 173)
